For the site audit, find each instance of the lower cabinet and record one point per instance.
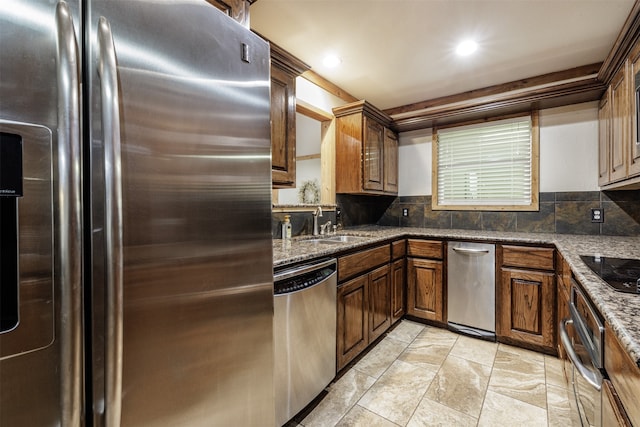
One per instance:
(563, 285)
(624, 387)
(398, 283)
(613, 413)
(397, 289)
(353, 319)
(425, 284)
(379, 302)
(424, 288)
(364, 302)
(525, 306)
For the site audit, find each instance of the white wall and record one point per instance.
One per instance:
(569, 148)
(316, 96)
(308, 132)
(568, 153)
(308, 136)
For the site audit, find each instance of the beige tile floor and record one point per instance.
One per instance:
(420, 375)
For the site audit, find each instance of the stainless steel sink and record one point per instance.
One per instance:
(346, 239)
(334, 240)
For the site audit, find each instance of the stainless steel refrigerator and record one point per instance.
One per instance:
(135, 213)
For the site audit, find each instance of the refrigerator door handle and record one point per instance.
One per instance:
(107, 70)
(69, 215)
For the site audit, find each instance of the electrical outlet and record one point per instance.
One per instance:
(597, 215)
(405, 211)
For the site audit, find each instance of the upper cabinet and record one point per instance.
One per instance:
(366, 150)
(633, 159)
(618, 147)
(284, 70)
(390, 162)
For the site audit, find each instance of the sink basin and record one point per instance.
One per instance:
(345, 239)
(333, 240)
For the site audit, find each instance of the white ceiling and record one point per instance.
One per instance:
(398, 52)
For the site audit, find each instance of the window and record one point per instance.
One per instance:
(487, 166)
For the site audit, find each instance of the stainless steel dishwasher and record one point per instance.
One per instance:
(304, 335)
(471, 295)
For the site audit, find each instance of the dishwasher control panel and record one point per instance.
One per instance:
(297, 279)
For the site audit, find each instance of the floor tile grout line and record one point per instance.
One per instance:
(486, 390)
(432, 379)
(378, 378)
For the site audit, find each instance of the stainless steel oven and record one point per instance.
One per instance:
(582, 336)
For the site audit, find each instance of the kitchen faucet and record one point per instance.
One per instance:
(316, 214)
(324, 228)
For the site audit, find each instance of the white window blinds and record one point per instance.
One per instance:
(486, 165)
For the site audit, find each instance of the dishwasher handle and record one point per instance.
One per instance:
(303, 277)
(468, 251)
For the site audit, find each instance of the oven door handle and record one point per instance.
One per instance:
(589, 376)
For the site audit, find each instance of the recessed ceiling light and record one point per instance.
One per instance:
(466, 48)
(331, 61)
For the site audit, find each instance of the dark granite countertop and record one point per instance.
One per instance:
(621, 311)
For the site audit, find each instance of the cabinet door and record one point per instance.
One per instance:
(620, 124)
(353, 319)
(613, 414)
(526, 312)
(634, 142)
(390, 162)
(283, 125)
(604, 138)
(373, 160)
(379, 302)
(424, 286)
(397, 290)
(624, 374)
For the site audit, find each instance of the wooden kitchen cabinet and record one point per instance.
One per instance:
(364, 301)
(284, 70)
(236, 9)
(390, 162)
(398, 273)
(604, 137)
(613, 413)
(353, 319)
(563, 285)
(633, 155)
(366, 151)
(525, 297)
(379, 302)
(425, 284)
(624, 375)
(618, 148)
(620, 124)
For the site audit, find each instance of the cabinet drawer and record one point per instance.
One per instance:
(528, 257)
(354, 264)
(398, 249)
(424, 248)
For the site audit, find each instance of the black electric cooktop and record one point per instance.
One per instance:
(621, 274)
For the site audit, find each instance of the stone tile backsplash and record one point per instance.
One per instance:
(561, 212)
(301, 222)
